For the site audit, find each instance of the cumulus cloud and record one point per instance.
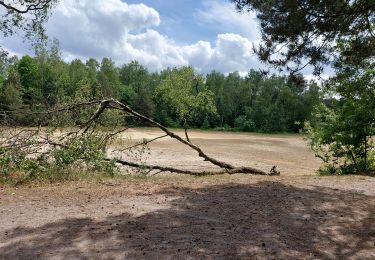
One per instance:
(223, 15)
(231, 52)
(126, 32)
(96, 27)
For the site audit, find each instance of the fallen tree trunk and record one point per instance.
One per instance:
(88, 128)
(230, 169)
(249, 170)
(171, 134)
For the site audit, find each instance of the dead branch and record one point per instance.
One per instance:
(40, 5)
(62, 142)
(112, 135)
(249, 170)
(229, 168)
(145, 142)
(115, 104)
(127, 109)
(103, 105)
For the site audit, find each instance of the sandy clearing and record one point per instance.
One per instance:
(288, 152)
(297, 215)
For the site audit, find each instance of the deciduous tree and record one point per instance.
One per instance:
(25, 15)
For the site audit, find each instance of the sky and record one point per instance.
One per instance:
(206, 34)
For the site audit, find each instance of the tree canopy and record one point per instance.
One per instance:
(343, 126)
(175, 97)
(298, 33)
(25, 15)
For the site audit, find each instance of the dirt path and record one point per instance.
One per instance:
(294, 216)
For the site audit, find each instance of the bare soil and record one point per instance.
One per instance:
(297, 215)
(288, 152)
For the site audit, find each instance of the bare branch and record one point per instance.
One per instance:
(103, 105)
(111, 135)
(40, 5)
(249, 170)
(173, 135)
(145, 142)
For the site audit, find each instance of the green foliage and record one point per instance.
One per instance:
(89, 149)
(15, 160)
(206, 124)
(243, 124)
(341, 130)
(52, 74)
(28, 16)
(320, 33)
(10, 160)
(174, 97)
(10, 96)
(85, 153)
(185, 93)
(111, 118)
(28, 73)
(83, 148)
(137, 88)
(267, 104)
(327, 169)
(108, 79)
(309, 31)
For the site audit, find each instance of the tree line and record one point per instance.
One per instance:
(294, 35)
(175, 97)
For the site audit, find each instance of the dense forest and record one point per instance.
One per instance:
(175, 97)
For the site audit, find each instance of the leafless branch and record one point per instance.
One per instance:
(145, 142)
(249, 170)
(40, 5)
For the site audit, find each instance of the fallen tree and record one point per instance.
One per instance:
(88, 144)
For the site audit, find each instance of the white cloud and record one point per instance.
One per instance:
(224, 15)
(96, 27)
(126, 32)
(231, 52)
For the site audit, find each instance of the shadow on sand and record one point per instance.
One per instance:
(264, 220)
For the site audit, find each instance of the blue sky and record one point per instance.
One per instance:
(184, 20)
(206, 34)
(178, 20)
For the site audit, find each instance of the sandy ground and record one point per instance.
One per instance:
(297, 215)
(288, 152)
